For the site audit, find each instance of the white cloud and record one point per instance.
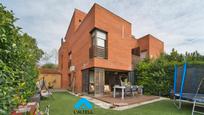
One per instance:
(180, 24)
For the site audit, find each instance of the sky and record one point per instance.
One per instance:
(178, 23)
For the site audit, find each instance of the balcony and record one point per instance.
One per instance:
(97, 51)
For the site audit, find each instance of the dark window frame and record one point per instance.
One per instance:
(96, 50)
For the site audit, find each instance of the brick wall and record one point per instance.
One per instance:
(119, 38)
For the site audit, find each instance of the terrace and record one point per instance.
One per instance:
(129, 100)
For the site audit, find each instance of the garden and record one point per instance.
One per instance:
(19, 57)
(62, 104)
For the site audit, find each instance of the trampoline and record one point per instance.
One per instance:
(191, 97)
(189, 85)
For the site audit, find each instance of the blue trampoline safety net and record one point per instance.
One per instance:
(186, 81)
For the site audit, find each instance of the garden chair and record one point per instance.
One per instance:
(134, 89)
(91, 88)
(51, 85)
(140, 90)
(43, 90)
(128, 90)
(107, 89)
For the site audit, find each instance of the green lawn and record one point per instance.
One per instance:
(62, 104)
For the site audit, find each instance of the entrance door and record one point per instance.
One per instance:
(99, 81)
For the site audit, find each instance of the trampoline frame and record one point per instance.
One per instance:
(178, 97)
(180, 100)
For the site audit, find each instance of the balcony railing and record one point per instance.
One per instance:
(97, 51)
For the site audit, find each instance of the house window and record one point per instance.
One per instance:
(61, 62)
(70, 55)
(136, 51)
(99, 45)
(143, 55)
(69, 59)
(100, 42)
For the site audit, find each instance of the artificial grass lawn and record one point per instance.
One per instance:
(62, 104)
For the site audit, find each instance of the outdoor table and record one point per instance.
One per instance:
(119, 87)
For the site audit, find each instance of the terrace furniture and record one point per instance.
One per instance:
(91, 87)
(107, 89)
(140, 90)
(128, 90)
(45, 93)
(41, 85)
(119, 87)
(134, 89)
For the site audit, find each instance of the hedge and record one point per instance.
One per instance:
(156, 75)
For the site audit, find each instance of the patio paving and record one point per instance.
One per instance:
(129, 100)
(108, 102)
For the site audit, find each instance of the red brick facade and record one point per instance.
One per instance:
(120, 43)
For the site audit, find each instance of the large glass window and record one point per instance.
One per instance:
(100, 38)
(99, 43)
(100, 34)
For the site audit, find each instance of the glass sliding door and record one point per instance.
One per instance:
(91, 82)
(85, 81)
(99, 75)
(131, 77)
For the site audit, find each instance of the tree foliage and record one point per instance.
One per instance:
(49, 57)
(156, 75)
(18, 57)
(49, 66)
(189, 57)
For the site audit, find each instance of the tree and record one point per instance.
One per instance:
(50, 57)
(49, 66)
(18, 57)
(175, 56)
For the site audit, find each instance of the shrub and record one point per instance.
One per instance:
(156, 75)
(18, 57)
(152, 74)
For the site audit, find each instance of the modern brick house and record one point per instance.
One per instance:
(99, 48)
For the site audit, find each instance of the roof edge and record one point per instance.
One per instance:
(95, 4)
(149, 35)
